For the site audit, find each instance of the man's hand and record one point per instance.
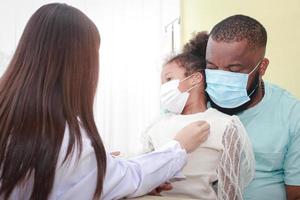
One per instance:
(163, 187)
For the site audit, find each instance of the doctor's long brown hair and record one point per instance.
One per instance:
(50, 82)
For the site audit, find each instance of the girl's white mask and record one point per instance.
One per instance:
(171, 98)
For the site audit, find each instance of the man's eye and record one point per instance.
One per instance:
(211, 67)
(235, 69)
(169, 79)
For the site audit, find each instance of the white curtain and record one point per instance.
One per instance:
(134, 43)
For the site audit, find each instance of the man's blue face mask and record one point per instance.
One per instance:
(228, 89)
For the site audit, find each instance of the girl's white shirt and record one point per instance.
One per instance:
(226, 156)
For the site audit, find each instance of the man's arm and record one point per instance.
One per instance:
(292, 192)
(292, 157)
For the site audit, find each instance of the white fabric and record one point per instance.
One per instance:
(226, 156)
(124, 178)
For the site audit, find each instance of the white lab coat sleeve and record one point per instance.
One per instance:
(76, 178)
(139, 175)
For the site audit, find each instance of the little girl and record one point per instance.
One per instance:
(226, 157)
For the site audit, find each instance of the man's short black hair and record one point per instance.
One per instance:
(240, 27)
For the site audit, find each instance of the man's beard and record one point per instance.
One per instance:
(232, 111)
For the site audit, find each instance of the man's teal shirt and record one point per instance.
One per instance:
(273, 126)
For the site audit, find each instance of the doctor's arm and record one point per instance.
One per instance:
(76, 179)
(292, 158)
(140, 175)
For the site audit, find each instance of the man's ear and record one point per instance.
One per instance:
(197, 78)
(263, 66)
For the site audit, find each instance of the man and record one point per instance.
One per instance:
(236, 64)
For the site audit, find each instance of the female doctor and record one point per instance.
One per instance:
(50, 147)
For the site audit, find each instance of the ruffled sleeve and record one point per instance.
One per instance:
(236, 168)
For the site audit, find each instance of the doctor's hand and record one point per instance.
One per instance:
(194, 134)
